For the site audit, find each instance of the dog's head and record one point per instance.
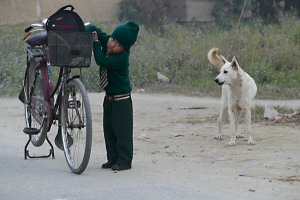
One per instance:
(228, 72)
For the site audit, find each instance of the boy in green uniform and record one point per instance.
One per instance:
(111, 53)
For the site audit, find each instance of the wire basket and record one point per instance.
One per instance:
(70, 49)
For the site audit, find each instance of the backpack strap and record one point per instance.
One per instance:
(65, 7)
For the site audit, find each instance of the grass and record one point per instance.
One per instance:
(269, 53)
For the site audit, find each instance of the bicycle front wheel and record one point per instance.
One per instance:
(76, 125)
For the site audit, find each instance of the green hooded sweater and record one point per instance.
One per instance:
(117, 65)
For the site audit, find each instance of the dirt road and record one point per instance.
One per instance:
(175, 157)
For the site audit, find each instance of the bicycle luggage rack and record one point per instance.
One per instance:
(34, 131)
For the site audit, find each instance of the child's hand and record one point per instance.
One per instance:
(95, 36)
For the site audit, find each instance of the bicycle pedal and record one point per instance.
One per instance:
(31, 131)
(72, 105)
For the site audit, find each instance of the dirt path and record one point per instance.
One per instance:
(175, 155)
(176, 128)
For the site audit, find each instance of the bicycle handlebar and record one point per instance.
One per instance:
(31, 26)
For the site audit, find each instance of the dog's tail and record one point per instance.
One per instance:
(215, 59)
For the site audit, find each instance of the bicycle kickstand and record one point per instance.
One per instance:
(34, 131)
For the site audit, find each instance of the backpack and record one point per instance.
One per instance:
(65, 20)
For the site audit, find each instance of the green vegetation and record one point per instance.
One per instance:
(269, 53)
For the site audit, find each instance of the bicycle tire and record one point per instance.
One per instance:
(38, 90)
(75, 121)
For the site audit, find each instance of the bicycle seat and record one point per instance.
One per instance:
(38, 39)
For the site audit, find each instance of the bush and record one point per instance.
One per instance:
(225, 10)
(153, 14)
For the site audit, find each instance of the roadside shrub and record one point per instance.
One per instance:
(153, 14)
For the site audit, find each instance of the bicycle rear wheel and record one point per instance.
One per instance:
(34, 88)
(76, 126)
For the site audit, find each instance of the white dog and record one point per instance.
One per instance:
(238, 91)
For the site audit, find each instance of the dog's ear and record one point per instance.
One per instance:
(234, 63)
(224, 59)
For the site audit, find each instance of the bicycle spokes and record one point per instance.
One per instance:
(76, 126)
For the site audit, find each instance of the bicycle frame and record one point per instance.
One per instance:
(49, 104)
(45, 106)
(63, 77)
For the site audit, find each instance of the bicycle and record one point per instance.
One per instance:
(67, 102)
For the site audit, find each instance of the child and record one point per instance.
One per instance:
(111, 53)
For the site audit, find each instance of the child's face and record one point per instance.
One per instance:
(114, 47)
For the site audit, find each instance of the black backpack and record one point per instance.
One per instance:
(65, 20)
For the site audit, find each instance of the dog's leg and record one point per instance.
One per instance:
(232, 119)
(224, 107)
(237, 123)
(220, 122)
(248, 126)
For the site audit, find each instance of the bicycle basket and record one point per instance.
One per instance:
(70, 49)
